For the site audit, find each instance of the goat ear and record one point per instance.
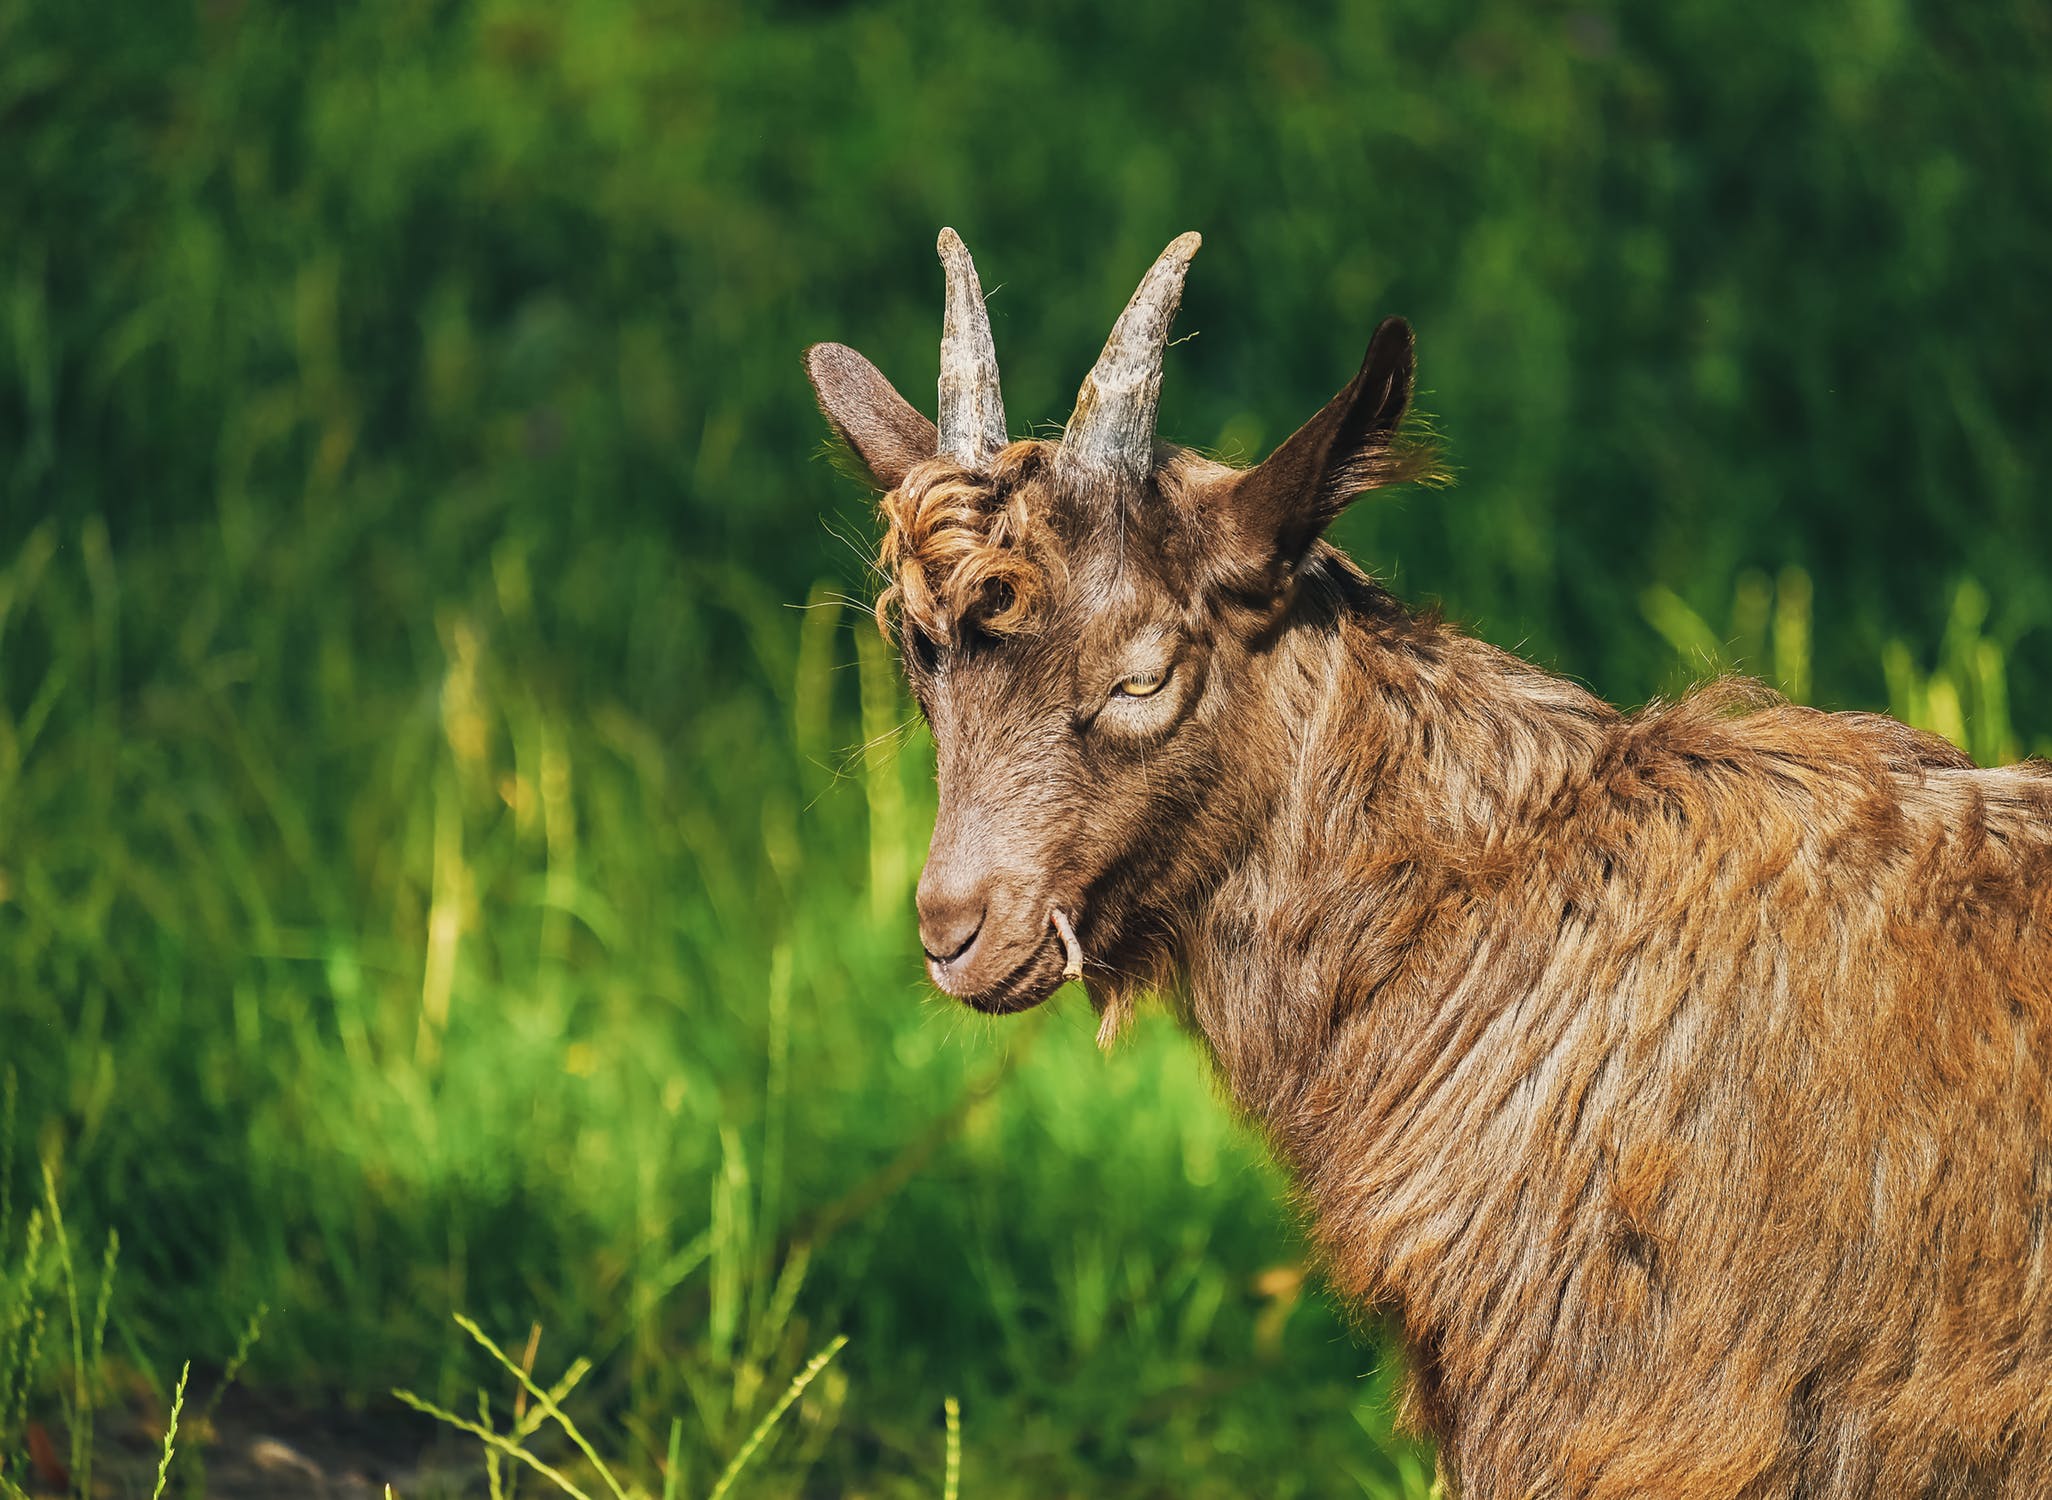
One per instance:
(868, 414)
(1281, 505)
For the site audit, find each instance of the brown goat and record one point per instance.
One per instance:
(1677, 1081)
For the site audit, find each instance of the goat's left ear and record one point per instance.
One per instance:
(867, 413)
(1278, 508)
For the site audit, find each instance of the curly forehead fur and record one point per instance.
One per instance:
(983, 549)
(965, 547)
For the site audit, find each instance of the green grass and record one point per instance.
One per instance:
(40, 1292)
(456, 840)
(577, 1019)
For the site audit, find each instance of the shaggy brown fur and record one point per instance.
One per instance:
(1677, 1081)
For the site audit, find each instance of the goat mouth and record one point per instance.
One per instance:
(1035, 977)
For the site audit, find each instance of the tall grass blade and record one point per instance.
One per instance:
(783, 1301)
(812, 701)
(1682, 628)
(171, 1432)
(889, 831)
(495, 1485)
(951, 1488)
(776, 1110)
(1792, 614)
(494, 1439)
(732, 1245)
(81, 1391)
(775, 1414)
(21, 1332)
(32, 1355)
(1998, 741)
(529, 1421)
(250, 1331)
(673, 1464)
(1905, 686)
(1752, 606)
(96, 1346)
(7, 1107)
(545, 1401)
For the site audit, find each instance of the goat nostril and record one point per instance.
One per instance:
(952, 936)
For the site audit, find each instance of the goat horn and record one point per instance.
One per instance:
(972, 411)
(1111, 431)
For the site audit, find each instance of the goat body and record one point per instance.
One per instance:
(1677, 1081)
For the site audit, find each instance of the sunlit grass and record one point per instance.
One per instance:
(523, 990)
(1963, 696)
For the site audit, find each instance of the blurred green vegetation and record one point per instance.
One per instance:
(455, 842)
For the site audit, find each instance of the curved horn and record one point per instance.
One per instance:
(1111, 432)
(972, 412)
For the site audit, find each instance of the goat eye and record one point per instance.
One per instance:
(924, 650)
(1140, 685)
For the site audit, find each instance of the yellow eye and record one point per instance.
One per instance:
(1140, 685)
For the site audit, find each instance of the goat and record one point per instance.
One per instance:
(1676, 1082)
